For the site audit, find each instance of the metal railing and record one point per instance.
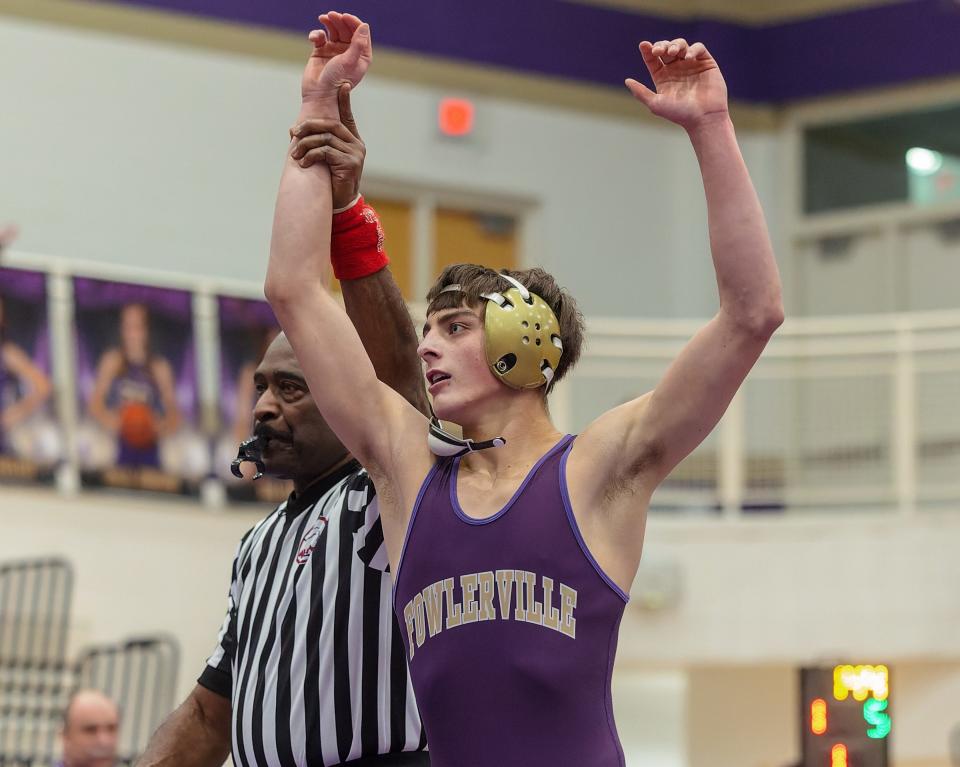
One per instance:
(846, 412)
(843, 412)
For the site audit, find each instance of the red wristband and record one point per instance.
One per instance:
(356, 243)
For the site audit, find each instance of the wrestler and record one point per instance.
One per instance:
(513, 548)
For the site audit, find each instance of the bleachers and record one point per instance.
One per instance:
(37, 677)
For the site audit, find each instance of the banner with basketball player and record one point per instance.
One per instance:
(246, 329)
(137, 388)
(31, 440)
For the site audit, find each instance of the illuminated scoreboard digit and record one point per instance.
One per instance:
(845, 713)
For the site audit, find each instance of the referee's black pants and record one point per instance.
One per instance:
(403, 759)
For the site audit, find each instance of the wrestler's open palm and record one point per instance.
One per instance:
(341, 54)
(689, 86)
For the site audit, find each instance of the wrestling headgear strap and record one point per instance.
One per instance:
(521, 336)
(445, 444)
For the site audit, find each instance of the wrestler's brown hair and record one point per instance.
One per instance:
(476, 280)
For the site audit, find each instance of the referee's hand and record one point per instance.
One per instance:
(336, 143)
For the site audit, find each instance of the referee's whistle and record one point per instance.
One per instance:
(250, 450)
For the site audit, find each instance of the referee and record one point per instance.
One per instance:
(309, 667)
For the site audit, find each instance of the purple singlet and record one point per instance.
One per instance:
(510, 627)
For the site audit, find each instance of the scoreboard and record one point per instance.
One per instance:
(845, 714)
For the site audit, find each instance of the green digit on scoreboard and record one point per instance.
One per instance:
(874, 713)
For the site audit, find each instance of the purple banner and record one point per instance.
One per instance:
(246, 329)
(244, 313)
(31, 440)
(137, 387)
(773, 63)
(23, 314)
(22, 284)
(99, 294)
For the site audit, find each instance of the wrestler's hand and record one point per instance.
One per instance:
(689, 86)
(341, 54)
(338, 144)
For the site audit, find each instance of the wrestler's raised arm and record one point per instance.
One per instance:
(368, 416)
(636, 445)
(370, 293)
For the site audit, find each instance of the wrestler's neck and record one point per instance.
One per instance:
(523, 421)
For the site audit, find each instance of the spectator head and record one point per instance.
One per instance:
(91, 723)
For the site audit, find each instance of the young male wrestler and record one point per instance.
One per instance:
(512, 564)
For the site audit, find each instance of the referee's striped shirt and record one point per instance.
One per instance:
(310, 653)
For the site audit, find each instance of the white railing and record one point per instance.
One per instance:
(846, 412)
(853, 412)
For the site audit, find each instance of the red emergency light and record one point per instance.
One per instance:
(455, 117)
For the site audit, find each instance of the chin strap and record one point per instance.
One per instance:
(444, 444)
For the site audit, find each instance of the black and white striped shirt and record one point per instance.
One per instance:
(310, 653)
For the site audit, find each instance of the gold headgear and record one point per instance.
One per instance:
(522, 336)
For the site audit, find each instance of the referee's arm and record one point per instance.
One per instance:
(197, 734)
